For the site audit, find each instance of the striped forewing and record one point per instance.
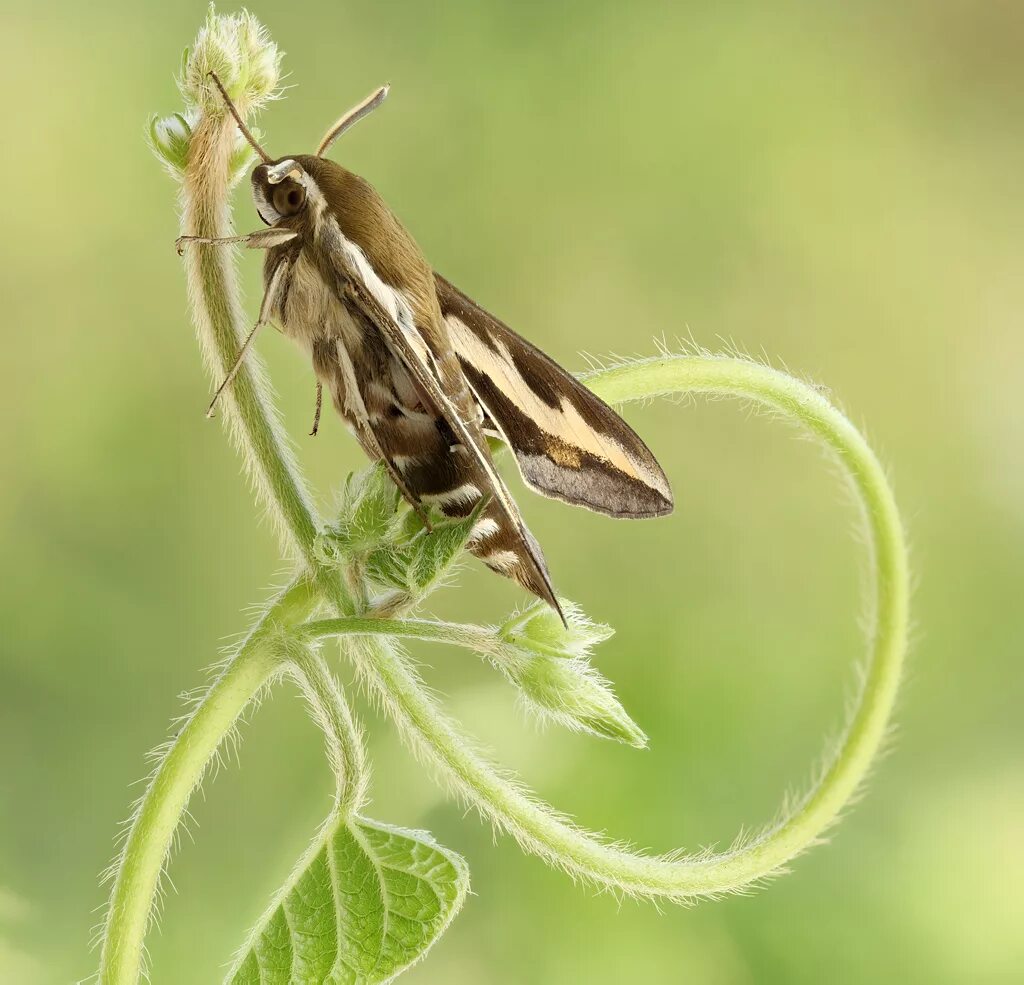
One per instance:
(568, 443)
(392, 318)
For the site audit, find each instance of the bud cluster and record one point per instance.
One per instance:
(239, 50)
(392, 546)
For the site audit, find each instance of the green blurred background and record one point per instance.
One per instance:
(834, 185)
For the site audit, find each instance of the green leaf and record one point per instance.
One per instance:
(365, 902)
(414, 559)
(435, 552)
(389, 566)
(369, 503)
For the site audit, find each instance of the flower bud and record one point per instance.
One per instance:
(539, 628)
(367, 514)
(243, 157)
(577, 696)
(239, 50)
(416, 560)
(548, 662)
(435, 551)
(169, 138)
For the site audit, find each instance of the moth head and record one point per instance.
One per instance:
(279, 189)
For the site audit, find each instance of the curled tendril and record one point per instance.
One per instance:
(539, 828)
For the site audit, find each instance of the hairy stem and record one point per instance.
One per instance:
(331, 712)
(181, 768)
(537, 827)
(478, 638)
(221, 325)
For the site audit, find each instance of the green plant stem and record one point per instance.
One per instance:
(150, 835)
(331, 712)
(221, 325)
(540, 829)
(478, 638)
(255, 430)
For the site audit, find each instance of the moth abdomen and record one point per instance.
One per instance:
(449, 478)
(499, 545)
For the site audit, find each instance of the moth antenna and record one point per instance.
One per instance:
(352, 117)
(265, 157)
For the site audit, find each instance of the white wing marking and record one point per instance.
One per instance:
(563, 422)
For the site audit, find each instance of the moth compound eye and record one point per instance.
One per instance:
(289, 199)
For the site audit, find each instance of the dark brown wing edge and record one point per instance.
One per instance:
(553, 456)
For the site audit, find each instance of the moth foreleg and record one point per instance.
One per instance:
(262, 239)
(270, 297)
(319, 405)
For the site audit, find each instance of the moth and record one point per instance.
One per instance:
(420, 373)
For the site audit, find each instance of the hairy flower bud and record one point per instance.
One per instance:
(539, 628)
(549, 664)
(368, 511)
(238, 49)
(169, 138)
(577, 696)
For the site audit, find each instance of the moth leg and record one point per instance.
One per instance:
(266, 307)
(262, 239)
(319, 404)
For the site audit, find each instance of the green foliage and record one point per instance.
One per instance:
(538, 629)
(418, 563)
(169, 139)
(391, 543)
(575, 695)
(366, 901)
(368, 511)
